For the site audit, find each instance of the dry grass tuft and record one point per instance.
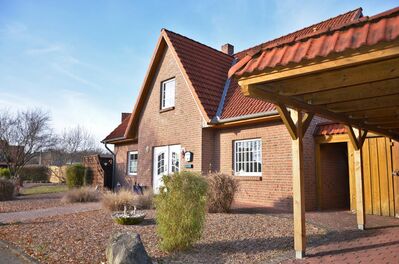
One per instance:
(81, 195)
(116, 201)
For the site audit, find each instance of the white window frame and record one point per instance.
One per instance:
(245, 162)
(129, 153)
(168, 96)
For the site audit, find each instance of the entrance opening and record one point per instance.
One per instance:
(335, 176)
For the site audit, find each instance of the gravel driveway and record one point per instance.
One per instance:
(227, 238)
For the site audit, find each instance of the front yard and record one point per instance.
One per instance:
(35, 196)
(227, 238)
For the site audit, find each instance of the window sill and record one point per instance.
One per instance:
(247, 178)
(132, 175)
(167, 109)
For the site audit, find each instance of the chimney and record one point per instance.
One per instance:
(124, 115)
(228, 49)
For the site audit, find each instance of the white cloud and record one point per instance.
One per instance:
(44, 50)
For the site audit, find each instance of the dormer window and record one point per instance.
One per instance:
(168, 94)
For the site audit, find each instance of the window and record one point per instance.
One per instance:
(168, 94)
(175, 162)
(248, 157)
(132, 157)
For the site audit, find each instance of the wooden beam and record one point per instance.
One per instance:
(356, 140)
(287, 120)
(375, 113)
(256, 91)
(349, 76)
(383, 120)
(307, 119)
(357, 143)
(298, 188)
(352, 137)
(360, 208)
(356, 92)
(365, 104)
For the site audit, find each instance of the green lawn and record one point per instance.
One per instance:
(44, 189)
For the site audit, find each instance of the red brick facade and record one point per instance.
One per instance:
(212, 147)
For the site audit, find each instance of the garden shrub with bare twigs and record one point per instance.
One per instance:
(221, 191)
(180, 210)
(81, 195)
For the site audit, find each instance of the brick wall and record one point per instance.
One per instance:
(275, 187)
(182, 125)
(213, 149)
(121, 176)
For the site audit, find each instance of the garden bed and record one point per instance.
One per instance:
(31, 202)
(228, 238)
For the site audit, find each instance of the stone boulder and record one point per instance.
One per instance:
(126, 248)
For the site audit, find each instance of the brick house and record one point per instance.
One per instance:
(190, 116)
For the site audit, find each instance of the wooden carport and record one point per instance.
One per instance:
(348, 74)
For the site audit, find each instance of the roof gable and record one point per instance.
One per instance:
(206, 71)
(206, 68)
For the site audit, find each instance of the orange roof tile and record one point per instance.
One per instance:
(366, 31)
(345, 18)
(206, 68)
(326, 129)
(119, 131)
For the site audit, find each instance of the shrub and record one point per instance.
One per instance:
(81, 195)
(117, 201)
(180, 210)
(5, 173)
(35, 173)
(221, 190)
(144, 201)
(7, 190)
(75, 175)
(88, 177)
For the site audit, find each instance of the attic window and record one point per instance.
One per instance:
(168, 94)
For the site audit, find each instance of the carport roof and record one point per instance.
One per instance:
(349, 74)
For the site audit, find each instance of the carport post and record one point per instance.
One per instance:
(297, 124)
(357, 142)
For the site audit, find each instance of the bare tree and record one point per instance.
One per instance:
(22, 135)
(74, 143)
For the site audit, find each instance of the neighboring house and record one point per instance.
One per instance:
(190, 116)
(9, 154)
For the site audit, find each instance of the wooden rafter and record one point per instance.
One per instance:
(287, 120)
(346, 77)
(258, 91)
(307, 119)
(357, 141)
(358, 92)
(365, 104)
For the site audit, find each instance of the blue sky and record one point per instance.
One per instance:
(84, 61)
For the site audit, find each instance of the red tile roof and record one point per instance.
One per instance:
(323, 25)
(327, 129)
(119, 131)
(366, 31)
(236, 104)
(206, 68)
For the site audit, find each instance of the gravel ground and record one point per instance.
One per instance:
(228, 238)
(31, 202)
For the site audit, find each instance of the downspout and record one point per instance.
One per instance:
(113, 164)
